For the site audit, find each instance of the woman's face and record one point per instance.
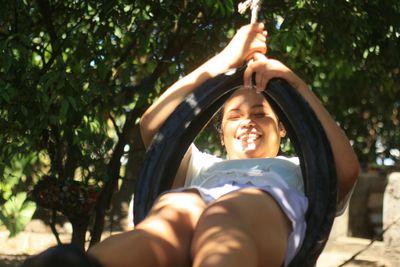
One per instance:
(250, 128)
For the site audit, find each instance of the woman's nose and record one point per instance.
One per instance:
(247, 122)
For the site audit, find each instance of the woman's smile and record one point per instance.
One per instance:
(253, 134)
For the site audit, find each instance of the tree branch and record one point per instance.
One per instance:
(113, 168)
(53, 226)
(115, 125)
(45, 10)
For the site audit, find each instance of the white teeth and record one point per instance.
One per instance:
(251, 136)
(248, 141)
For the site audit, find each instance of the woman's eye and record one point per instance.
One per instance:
(234, 117)
(259, 115)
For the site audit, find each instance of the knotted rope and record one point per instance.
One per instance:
(254, 6)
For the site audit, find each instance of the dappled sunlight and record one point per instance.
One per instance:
(155, 226)
(228, 239)
(216, 246)
(189, 203)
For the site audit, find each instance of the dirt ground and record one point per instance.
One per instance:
(11, 260)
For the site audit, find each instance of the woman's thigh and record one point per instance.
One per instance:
(163, 238)
(258, 215)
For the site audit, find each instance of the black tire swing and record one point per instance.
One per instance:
(303, 128)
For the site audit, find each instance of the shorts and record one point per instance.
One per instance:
(293, 204)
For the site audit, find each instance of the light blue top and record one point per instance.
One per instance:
(208, 171)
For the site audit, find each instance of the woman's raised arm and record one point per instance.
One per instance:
(248, 40)
(347, 165)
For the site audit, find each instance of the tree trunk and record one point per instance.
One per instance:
(124, 196)
(104, 201)
(79, 228)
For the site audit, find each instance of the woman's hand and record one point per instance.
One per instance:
(265, 69)
(248, 40)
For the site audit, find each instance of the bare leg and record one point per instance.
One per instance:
(243, 228)
(162, 239)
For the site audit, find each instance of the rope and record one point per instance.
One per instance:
(254, 6)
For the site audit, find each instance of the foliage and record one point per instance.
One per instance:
(75, 76)
(348, 52)
(16, 212)
(15, 174)
(72, 198)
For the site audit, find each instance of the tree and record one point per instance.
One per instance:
(348, 52)
(75, 79)
(75, 76)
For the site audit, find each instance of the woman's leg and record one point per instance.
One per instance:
(162, 239)
(243, 228)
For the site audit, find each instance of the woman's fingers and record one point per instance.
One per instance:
(261, 37)
(258, 26)
(256, 47)
(260, 57)
(265, 69)
(257, 65)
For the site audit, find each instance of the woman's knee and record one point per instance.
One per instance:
(179, 208)
(174, 216)
(171, 223)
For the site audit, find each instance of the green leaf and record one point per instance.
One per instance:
(7, 61)
(52, 78)
(25, 214)
(4, 95)
(24, 111)
(16, 213)
(64, 108)
(102, 70)
(72, 101)
(53, 119)
(2, 168)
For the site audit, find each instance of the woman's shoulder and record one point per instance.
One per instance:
(199, 162)
(204, 157)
